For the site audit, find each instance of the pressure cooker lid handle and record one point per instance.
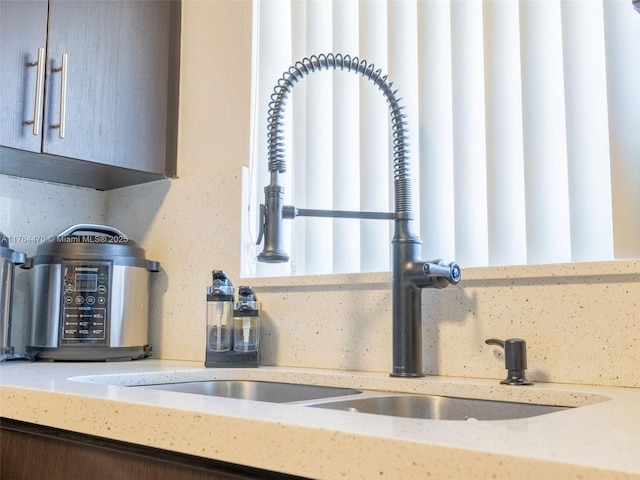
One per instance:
(153, 266)
(92, 227)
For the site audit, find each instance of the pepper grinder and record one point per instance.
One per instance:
(219, 317)
(246, 320)
(246, 332)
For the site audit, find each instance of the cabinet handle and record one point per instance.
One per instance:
(38, 97)
(63, 96)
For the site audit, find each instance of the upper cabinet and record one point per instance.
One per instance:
(23, 36)
(89, 90)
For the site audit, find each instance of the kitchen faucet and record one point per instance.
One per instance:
(409, 274)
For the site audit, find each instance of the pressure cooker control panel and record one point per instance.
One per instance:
(85, 302)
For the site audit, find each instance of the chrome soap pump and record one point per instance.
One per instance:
(231, 342)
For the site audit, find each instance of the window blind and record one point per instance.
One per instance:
(524, 125)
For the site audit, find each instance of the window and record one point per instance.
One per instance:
(524, 124)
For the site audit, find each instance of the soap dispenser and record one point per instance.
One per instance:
(515, 359)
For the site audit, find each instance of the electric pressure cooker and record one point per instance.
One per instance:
(90, 295)
(8, 258)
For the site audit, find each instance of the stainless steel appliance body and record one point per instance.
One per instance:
(90, 297)
(8, 259)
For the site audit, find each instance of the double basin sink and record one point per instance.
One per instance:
(406, 405)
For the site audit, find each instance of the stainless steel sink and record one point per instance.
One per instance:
(274, 392)
(440, 408)
(379, 403)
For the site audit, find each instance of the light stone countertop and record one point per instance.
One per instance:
(600, 440)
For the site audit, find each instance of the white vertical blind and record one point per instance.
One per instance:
(375, 166)
(313, 119)
(469, 150)
(507, 235)
(346, 152)
(622, 34)
(545, 146)
(587, 130)
(434, 130)
(523, 128)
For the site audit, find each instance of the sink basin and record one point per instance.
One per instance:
(364, 396)
(399, 405)
(440, 408)
(274, 392)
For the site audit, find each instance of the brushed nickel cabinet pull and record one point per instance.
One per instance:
(38, 96)
(63, 96)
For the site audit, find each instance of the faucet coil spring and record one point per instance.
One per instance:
(314, 63)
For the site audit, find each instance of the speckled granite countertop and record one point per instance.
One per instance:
(600, 440)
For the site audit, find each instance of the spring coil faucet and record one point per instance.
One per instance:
(409, 274)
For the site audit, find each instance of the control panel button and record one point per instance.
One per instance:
(85, 302)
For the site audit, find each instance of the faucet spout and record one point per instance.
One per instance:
(409, 274)
(271, 215)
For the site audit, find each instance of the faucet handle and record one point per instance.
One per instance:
(439, 268)
(515, 359)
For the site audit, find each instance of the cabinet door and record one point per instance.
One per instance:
(116, 82)
(23, 30)
(34, 452)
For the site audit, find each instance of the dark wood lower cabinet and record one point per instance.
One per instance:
(33, 452)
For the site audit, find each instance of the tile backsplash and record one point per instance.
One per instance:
(34, 208)
(30, 212)
(581, 322)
